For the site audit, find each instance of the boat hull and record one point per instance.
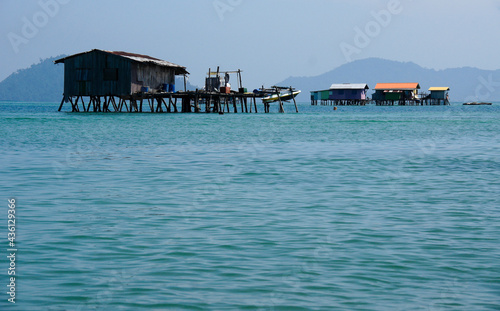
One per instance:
(477, 104)
(283, 96)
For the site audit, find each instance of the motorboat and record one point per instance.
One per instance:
(277, 94)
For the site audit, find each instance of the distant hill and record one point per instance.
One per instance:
(44, 82)
(467, 84)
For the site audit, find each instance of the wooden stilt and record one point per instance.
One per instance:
(282, 109)
(115, 107)
(196, 103)
(151, 104)
(208, 104)
(76, 104)
(105, 105)
(98, 103)
(83, 104)
(73, 109)
(167, 108)
(294, 102)
(62, 103)
(127, 106)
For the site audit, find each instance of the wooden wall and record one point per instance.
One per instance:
(96, 74)
(151, 76)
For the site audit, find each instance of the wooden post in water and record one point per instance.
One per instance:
(83, 104)
(208, 104)
(282, 109)
(196, 103)
(114, 103)
(76, 103)
(72, 105)
(295, 103)
(175, 105)
(62, 103)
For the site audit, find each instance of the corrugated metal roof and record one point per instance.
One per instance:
(135, 57)
(397, 86)
(350, 86)
(435, 88)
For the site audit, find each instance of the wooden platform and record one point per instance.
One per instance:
(168, 102)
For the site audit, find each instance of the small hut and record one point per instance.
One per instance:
(107, 73)
(439, 95)
(321, 96)
(439, 92)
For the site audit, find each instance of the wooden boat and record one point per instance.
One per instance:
(477, 104)
(284, 95)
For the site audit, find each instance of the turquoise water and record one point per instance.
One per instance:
(364, 208)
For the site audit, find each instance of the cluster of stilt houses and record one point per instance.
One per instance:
(107, 81)
(386, 94)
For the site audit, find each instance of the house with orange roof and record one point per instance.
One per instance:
(396, 92)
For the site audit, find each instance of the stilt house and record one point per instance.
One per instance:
(107, 73)
(396, 91)
(348, 91)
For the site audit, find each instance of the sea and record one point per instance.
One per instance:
(363, 208)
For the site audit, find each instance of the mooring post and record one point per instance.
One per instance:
(295, 103)
(282, 109)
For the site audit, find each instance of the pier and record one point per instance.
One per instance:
(185, 101)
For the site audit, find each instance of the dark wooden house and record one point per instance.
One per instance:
(396, 91)
(107, 73)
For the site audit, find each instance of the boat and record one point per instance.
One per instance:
(284, 95)
(477, 104)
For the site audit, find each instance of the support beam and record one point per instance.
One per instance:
(294, 102)
(62, 103)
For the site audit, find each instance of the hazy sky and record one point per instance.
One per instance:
(269, 40)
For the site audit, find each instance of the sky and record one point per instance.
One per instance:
(270, 40)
